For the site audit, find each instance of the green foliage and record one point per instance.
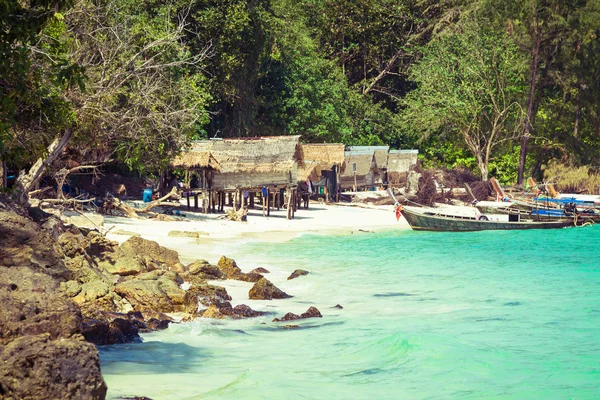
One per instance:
(467, 85)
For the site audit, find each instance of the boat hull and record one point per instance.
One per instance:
(432, 222)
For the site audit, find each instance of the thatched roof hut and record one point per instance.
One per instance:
(327, 155)
(360, 165)
(197, 157)
(399, 163)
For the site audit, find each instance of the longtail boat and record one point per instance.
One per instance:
(428, 220)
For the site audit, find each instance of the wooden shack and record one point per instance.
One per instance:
(322, 165)
(359, 173)
(399, 164)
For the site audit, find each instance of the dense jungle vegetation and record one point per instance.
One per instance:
(501, 87)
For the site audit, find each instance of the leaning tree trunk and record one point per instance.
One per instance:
(26, 182)
(535, 64)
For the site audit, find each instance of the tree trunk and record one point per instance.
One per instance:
(530, 103)
(2, 174)
(25, 183)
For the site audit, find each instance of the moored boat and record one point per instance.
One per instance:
(428, 220)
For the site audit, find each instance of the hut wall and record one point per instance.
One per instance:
(233, 180)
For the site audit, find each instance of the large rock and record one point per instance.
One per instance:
(265, 290)
(150, 251)
(119, 330)
(201, 271)
(86, 220)
(22, 243)
(37, 367)
(144, 295)
(232, 271)
(208, 295)
(32, 304)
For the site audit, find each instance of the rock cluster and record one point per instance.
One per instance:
(312, 312)
(42, 352)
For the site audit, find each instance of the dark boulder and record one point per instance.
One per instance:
(231, 271)
(265, 290)
(312, 312)
(245, 311)
(297, 273)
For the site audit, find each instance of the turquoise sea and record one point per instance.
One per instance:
(484, 315)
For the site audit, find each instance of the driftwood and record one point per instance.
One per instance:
(61, 177)
(113, 203)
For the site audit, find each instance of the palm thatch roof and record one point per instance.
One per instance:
(275, 154)
(198, 156)
(309, 170)
(327, 155)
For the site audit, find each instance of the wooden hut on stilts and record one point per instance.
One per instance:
(320, 171)
(249, 168)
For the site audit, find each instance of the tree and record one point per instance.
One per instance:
(143, 90)
(545, 31)
(468, 81)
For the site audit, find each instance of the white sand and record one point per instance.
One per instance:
(218, 235)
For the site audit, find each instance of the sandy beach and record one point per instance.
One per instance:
(217, 235)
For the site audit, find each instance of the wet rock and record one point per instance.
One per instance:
(210, 294)
(265, 290)
(103, 332)
(337, 306)
(260, 270)
(287, 317)
(245, 311)
(213, 312)
(189, 234)
(36, 367)
(232, 271)
(297, 273)
(312, 312)
(200, 271)
(290, 326)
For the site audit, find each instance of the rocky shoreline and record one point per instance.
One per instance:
(65, 289)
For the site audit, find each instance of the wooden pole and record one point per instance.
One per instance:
(188, 201)
(268, 202)
(290, 206)
(252, 199)
(355, 187)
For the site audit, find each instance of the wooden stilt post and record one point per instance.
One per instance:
(188, 200)
(268, 202)
(290, 205)
(251, 199)
(195, 201)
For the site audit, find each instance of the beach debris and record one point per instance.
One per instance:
(113, 204)
(312, 312)
(189, 234)
(124, 232)
(265, 290)
(260, 270)
(232, 271)
(297, 273)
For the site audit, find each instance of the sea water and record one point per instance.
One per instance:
(483, 315)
